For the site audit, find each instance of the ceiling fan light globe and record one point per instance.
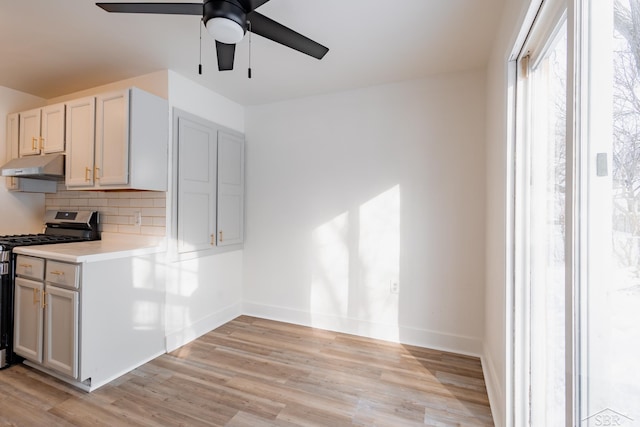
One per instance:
(225, 30)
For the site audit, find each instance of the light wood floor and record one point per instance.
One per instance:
(255, 372)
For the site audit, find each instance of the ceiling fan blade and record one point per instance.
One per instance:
(225, 52)
(257, 3)
(161, 8)
(277, 32)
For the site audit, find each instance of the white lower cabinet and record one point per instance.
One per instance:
(61, 330)
(46, 315)
(28, 320)
(88, 322)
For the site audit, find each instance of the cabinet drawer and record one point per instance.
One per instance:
(63, 274)
(27, 266)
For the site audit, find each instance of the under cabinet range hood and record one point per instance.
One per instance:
(49, 167)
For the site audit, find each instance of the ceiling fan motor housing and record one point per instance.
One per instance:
(229, 9)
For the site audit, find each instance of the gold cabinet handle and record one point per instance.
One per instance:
(213, 238)
(57, 273)
(221, 236)
(25, 265)
(87, 171)
(42, 142)
(96, 173)
(34, 143)
(44, 302)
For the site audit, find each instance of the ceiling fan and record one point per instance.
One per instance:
(228, 21)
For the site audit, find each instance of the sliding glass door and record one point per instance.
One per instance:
(543, 71)
(609, 301)
(577, 216)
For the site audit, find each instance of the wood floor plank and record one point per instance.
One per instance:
(17, 411)
(257, 372)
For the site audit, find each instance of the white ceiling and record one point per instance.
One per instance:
(51, 48)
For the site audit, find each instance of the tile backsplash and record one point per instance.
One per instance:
(118, 209)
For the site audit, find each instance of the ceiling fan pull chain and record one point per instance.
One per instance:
(200, 64)
(249, 70)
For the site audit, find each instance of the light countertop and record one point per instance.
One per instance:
(110, 247)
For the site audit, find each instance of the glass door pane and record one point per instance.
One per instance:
(547, 151)
(609, 329)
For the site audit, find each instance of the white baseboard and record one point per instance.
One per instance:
(176, 339)
(494, 389)
(405, 335)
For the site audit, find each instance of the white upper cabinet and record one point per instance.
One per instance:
(13, 143)
(30, 132)
(230, 189)
(80, 142)
(52, 129)
(112, 139)
(12, 136)
(42, 130)
(210, 186)
(129, 147)
(196, 186)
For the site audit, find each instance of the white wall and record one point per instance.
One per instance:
(497, 332)
(19, 212)
(196, 99)
(155, 83)
(351, 191)
(205, 292)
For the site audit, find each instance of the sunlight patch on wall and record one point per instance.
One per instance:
(379, 255)
(330, 282)
(143, 273)
(356, 268)
(182, 283)
(146, 315)
(185, 279)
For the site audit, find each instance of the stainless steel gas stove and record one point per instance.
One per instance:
(61, 227)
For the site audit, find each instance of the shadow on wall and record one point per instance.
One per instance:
(356, 268)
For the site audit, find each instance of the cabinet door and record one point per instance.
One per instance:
(28, 319)
(112, 138)
(196, 186)
(61, 331)
(80, 133)
(230, 189)
(13, 142)
(30, 132)
(53, 128)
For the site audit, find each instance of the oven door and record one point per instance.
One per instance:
(6, 309)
